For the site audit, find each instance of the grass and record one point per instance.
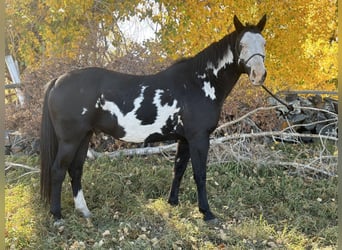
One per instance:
(258, 207)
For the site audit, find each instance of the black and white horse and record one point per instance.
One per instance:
(180, 103)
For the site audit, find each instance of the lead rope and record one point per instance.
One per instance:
(289, 107)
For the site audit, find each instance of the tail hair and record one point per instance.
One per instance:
(48, 147)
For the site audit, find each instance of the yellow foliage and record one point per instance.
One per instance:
(40, 30)
(301, 35)
(301, 51)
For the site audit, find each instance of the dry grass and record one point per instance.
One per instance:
(259, 206)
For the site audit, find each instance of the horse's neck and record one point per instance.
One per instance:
(219, 66)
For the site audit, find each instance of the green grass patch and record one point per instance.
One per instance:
(258, 208)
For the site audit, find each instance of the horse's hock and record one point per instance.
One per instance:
(312, 113)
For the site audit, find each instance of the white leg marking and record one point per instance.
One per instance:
(209, 90)
(81, 205)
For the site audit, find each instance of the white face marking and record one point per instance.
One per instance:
(81, 205)
(134, 130)
(228, 58)
(209, 90)
(84, 111)
(253, 44)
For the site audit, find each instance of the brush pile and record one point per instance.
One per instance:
(311, 114)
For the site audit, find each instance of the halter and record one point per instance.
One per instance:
(243, 63)
(256, 54)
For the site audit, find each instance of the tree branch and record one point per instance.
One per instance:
(245, 116)
(9, 165)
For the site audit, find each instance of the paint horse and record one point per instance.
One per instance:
(182, 102)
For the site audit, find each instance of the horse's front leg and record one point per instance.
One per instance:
(181, 162)
(199, 151)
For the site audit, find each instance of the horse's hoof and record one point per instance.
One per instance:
(58, 223)
(89, 222)
(87, 215)
(208, 216)
(213, 222)
(173, 203)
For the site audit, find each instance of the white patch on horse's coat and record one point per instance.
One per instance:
(84, 111)
(180, 122)
(134, 130)
(98, 103)
(202, 76)
(209, 90)
(81, 205)
(228, 58)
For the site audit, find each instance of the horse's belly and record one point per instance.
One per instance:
(137, 128)
(140, 133)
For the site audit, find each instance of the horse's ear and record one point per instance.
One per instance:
(262, 23)
(238, 25)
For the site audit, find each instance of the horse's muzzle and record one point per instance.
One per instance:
(257, 77)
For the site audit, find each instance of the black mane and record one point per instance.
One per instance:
(218, 49)
(215, 51)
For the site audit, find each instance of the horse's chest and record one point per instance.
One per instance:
(150, 116)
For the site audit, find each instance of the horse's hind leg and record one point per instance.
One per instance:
(65, 155)
(75, 171)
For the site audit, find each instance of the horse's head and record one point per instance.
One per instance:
(250, 47)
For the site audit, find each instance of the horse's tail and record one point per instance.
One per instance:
(48, 147)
